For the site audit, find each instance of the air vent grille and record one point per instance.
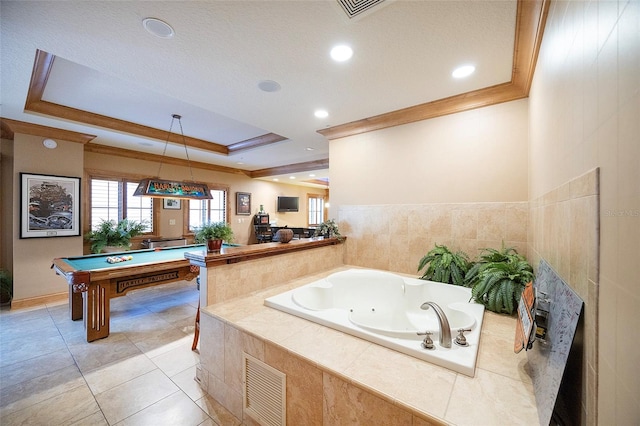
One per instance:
(355, 7)
(264, 392)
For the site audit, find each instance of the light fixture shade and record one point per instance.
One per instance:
(159, 188)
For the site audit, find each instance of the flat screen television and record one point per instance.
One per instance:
(288, 204)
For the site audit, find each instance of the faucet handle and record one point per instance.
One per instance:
(460, 339)
(427, 343)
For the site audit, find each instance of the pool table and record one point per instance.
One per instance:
(93, 281)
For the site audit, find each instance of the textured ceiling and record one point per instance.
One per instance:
(107, 64)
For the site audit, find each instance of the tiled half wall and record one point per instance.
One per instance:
(396, 237)
(564, 230)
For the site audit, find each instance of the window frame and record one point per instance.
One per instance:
(121, 177)
(185, 211)
(324, 207)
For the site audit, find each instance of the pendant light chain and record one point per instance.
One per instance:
(184, 143)
(164, 151)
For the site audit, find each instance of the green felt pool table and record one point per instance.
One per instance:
(93, 281)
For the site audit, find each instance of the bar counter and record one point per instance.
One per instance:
(228, 255)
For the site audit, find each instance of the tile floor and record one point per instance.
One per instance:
(142, 374)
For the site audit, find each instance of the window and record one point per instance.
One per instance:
(316, 209)
(203, 211)
(112, 199)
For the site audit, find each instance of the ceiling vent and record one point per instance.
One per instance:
(355, 8)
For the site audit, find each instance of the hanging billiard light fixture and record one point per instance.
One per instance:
(158, 188)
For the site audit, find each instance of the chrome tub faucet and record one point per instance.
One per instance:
(445, 329)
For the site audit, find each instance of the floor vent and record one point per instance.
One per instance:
(264, 392)
(354, 8)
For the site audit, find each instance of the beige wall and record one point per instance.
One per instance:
(458, 180)
(30, 259)
(262, 192)
(475, 156)
(6, 220)
(32, 274)
(585, 113)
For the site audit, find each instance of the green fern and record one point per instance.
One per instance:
(498, 279)
(444, 266)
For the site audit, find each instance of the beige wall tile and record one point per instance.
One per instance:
(494, 400)
(211, 352)
(348, 404)
(304, 386)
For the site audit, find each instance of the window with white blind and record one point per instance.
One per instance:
(203, 211)
(112, 199)
(316, 209)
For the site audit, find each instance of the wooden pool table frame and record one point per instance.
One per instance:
(90, 291)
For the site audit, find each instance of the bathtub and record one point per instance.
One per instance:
(384, 308)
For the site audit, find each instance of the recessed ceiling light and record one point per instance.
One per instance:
(341, 53)
(269, 86)
(292, 177)
(463, 71)
(275, 179)
(310, 148)
(239, 162)
(321, 113)
(312, 175)
(158, 28)
(50, 143)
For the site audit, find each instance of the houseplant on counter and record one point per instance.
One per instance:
(213, 234)
(115, 236)
(328, 229)
(498, 278)
(444, 266)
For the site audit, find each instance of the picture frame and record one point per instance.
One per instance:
(171, 204)
(49, 206)
(243, 203)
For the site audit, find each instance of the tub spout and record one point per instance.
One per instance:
(445, 329)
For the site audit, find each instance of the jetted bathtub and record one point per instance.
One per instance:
(384, 308)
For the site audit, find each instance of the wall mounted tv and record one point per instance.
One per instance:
(288, 204)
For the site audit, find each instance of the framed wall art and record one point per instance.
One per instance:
(171, 203)
(49, 206)
(243, 203)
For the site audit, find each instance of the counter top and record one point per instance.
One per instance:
(500, 393)
(255, 251)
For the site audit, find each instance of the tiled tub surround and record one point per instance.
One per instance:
(409, 231)
(228, 281)
(385, 308)
(564, 230)
(335, 378)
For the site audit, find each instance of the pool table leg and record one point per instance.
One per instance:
(75, 304)
(96, 310)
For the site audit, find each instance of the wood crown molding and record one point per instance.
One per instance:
(126, 153)
(531, 16)
(266, 139)
(10, 127)
(42, 66)
(291, 168)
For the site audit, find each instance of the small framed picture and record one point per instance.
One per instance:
(243, 203)
(171, 203)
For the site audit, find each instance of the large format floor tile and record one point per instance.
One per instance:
(142, 374)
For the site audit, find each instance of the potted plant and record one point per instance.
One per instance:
(498, 278)
(6, 287)
(444, 266)
(328, 229)
(115, 236)
(213, 234)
